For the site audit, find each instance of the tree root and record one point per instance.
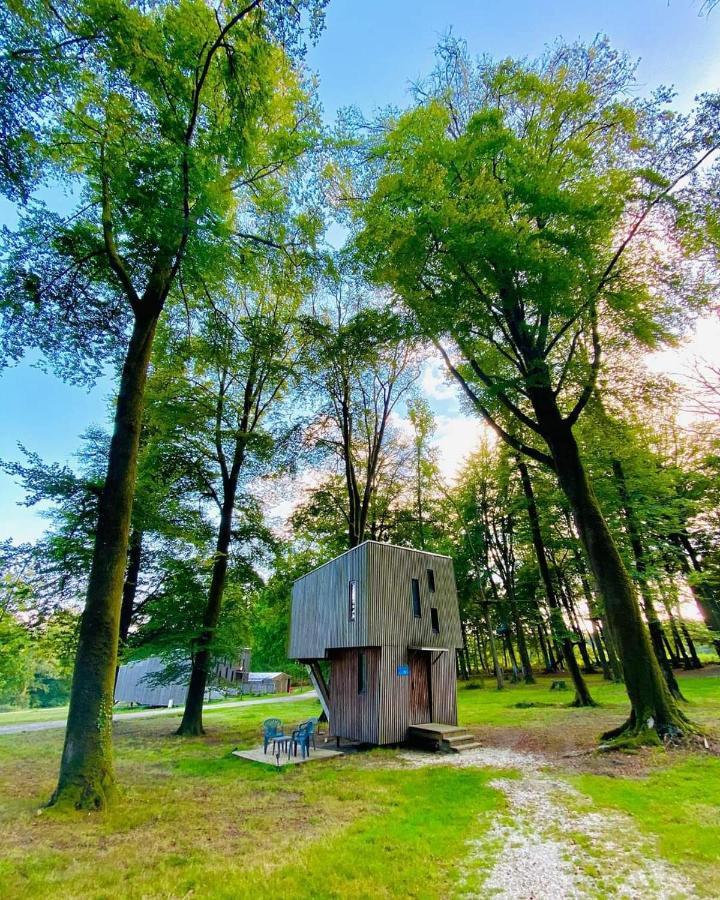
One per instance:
(191, 730)
(649, 733)
(578, 702)
(88, 796)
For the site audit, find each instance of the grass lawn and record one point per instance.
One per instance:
(193, 820)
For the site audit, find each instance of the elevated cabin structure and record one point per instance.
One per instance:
(386, 620)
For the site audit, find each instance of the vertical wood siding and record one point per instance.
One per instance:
(391, 571)
(353, 715)
(320, 607)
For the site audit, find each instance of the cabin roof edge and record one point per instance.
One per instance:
(365, 543)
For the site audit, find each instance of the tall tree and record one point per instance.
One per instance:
(164, 118)
(221, 393)
(559, 631)
(363, 367)
(516, 210)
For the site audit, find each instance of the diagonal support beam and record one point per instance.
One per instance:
(318, 682)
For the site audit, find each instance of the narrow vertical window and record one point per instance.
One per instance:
(362, 672)
(352, 600)
(431, 581)
(416, 598)
(434, 621)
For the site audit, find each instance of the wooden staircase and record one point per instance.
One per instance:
(443, 738)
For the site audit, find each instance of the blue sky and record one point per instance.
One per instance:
(368, 54)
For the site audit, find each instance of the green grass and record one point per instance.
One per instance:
(678, 806)
(193, 820)
(21, 716)
(487, 706)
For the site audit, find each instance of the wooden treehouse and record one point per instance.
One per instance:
(386, 620)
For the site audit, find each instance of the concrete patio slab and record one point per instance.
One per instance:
(256, 754)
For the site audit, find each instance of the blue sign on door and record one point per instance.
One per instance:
(403, 670)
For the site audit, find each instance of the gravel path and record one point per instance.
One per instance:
(151, 713)
(550, 844)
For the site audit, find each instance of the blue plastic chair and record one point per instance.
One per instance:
(301, 738)
(272, 729)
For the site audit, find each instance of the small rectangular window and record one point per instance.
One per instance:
(431, 581)
(362, 673)
(434, 621)
(416, 598)
(352, 601)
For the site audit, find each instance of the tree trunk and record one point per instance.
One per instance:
(464, 654)
(511, 653)
(704, 598)
(656, 632)
(611, 650)
(602, 659)
(549, 663)
(522, 645)
(87, 779)
(493, 649)
(680, 650)
(694, 658)
(653, 708)
(557, 626)
(192, 724)
(127, 607)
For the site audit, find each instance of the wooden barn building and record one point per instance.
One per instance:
(386, 619)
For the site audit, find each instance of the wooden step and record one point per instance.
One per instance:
(472, 744)
(435, 730)
(443, 738)
(459, 739)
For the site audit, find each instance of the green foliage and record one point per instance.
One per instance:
(171, 124)
(36, 659)
(498, 213)
(16, 664)
(271, 604)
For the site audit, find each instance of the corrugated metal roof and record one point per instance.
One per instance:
(262, 676)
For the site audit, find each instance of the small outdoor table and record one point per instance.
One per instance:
(281, 745)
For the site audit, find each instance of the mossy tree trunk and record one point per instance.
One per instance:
(656, 632)
(86, 779)
(653, 709)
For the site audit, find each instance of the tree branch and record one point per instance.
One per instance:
(532, 452)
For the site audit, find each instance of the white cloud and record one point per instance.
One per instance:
(435, 385)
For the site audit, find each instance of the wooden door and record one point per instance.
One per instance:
(420, 705)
